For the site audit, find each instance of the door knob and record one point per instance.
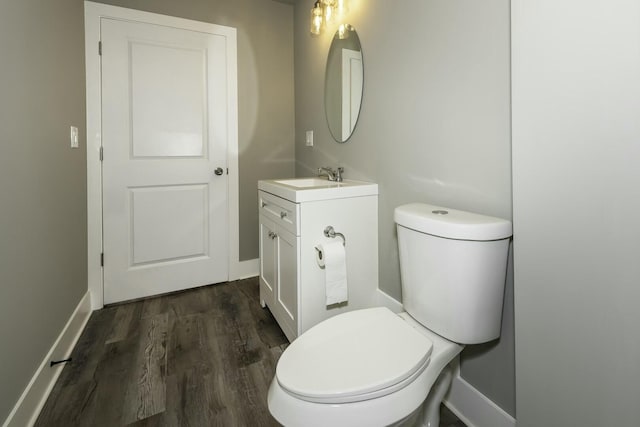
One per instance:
(218, 171)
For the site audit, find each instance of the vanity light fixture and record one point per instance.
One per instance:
(326, 12)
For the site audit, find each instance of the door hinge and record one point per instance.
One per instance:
(101, 154)
(100, 48)
(102, 259)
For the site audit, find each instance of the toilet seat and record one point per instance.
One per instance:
(354, 356)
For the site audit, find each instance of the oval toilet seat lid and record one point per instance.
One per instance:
(353, 356)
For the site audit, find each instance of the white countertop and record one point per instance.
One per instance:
(309, 189)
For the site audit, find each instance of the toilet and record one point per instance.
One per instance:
(373, 367)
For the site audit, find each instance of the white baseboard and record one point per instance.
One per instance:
(392, 304)
(474, 408)
(245, 269)
(28, 407)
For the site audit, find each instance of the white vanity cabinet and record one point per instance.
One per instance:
(292, 224)
(279, 243)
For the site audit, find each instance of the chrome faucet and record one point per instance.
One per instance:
(332, 175)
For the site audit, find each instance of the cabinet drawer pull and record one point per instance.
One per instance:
(263, 204)
(272, 235)
(282, 215)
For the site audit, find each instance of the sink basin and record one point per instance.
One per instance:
(312, 188)
(306, 182)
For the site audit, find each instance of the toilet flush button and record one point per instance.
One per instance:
(440, 212)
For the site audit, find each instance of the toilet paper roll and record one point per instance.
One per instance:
(332, 257)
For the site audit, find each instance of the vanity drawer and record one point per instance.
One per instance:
(281, 211)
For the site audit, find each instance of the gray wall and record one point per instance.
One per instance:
(43, 223)
(576, 182)
(265, 91)
(434, 127)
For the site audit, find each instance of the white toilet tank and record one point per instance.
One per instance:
(453, 266)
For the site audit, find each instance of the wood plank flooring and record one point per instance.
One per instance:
(203, 357)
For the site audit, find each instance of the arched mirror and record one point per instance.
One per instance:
(343, 84)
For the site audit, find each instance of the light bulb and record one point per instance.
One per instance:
(316, 19)
(340, 8)
(329, 11)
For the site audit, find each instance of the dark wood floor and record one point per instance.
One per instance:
(203, 357)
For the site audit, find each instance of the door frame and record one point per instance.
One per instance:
(93, 12)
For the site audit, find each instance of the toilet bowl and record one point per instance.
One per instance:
(372, 367)
(324, 378)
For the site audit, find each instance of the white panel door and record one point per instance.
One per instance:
(164, 134)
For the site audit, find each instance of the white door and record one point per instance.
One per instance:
(352, 73)
(164, 135)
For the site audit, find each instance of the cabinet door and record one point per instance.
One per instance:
(287, 288)
(268, 261)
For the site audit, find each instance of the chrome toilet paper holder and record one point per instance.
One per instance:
(330, 232)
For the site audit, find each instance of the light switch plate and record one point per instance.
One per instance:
(309, 140)
(74, 137)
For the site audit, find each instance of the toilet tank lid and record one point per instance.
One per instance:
(451, 223)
